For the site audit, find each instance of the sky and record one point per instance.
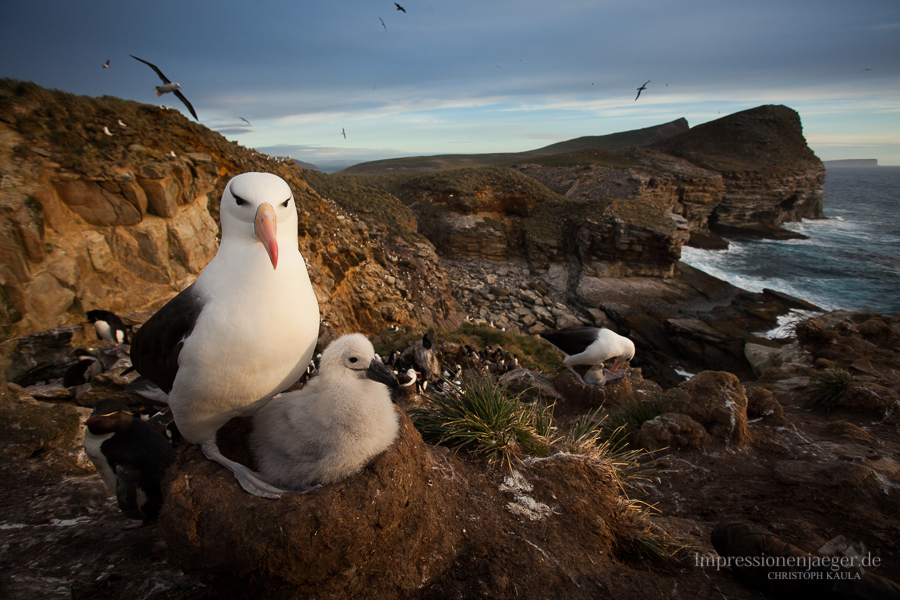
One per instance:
(473, 76)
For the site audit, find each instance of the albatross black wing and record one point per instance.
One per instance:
(157, 344)
(572, 340)
(154, 67)
(186, 103)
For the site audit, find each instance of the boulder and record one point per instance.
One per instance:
(670, 430)
(867, 397)
(762, 404)
(716, 400)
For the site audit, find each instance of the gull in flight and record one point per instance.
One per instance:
(399, 7)
(382, 22)
(343, 131)
(106, 64)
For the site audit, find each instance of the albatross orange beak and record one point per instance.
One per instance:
(264, 226)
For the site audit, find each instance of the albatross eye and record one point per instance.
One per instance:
(238, 200)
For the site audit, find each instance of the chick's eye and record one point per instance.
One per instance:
(286, 202)
(353, 359)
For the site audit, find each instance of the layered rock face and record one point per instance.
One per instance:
(124, 222)
(769, 173)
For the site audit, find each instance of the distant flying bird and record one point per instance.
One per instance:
(106, 64)
(121, 124)
(864, 70)
(106, 130)
(168, 86)
(246, 121)
(641, 89)
(344, 132)
(399, 7)
(382, 22)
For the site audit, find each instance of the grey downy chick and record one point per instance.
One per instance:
(334, 426)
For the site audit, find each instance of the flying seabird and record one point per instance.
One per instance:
(121, 124)
(590, 346)
(246, 121)
(244, 331)
(399, 7)
(106, 130)
(344, 132)
(382, 22)
(168, 86)
(106, 64)
(108, 327)
(130, 456)
(641, 89)
(332, 427)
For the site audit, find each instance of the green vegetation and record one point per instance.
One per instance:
(590, 158)
(628, 418)
(533, 353)
(486, 418)
(828, 387)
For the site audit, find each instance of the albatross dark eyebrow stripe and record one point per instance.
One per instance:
(238, 199)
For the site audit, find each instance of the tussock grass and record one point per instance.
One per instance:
(828, 387)
(628, 418)
(486, 418)
(646, 539)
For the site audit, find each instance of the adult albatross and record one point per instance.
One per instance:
(244, 331)
(590, 346)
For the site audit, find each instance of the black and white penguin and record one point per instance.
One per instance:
(130, 456)
(84, 370)
(109, 327)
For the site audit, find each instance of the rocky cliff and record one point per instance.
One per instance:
(769, 173)
(112, 204)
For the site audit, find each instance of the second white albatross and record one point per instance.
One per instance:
(244, 331)
(590, 346)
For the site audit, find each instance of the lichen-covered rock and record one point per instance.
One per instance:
(716, 400)
(670, 430)
(762, 404)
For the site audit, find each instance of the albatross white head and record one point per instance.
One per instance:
(242, 203)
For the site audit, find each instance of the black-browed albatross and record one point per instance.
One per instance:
(167, 86)
(590, 346)
(244, 331)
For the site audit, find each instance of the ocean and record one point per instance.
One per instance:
(851, 260)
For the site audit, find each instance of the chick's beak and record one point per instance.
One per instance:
(377, 371)
(264, 226)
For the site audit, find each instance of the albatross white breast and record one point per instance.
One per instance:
(244, 331)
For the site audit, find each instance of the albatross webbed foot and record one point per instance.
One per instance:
(578, 377)
(250, 481)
